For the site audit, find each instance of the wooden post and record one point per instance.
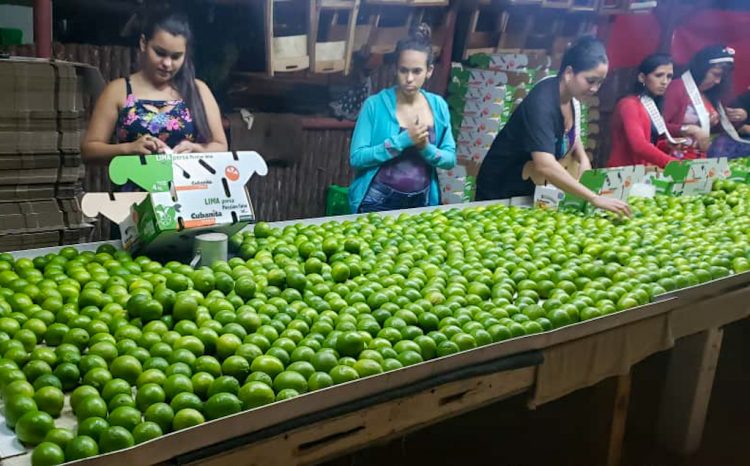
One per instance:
(442, 74)
(43, 28)
(687, 391)
(352, 27)
(268, 12)
(619, 419)
(312, 31)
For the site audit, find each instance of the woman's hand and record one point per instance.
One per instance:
(613, 205)
(714, 119)
(419, 135)
(187, 147)
(737, 115)
(696, 133)
(146, 145)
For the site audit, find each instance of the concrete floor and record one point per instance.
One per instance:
(574, 430)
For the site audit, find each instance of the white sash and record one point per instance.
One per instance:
(697, 101)
(656, 118)
(576, 121)
(729, 127)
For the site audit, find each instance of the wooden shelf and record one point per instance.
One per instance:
(413, 3)
(336, 4)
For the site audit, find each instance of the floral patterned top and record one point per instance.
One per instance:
(141, 117)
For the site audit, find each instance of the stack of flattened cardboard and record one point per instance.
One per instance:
(41, 122)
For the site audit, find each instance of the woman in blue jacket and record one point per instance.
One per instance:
(402, 135)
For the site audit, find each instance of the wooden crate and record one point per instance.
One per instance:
(333, 56)
(285, 53)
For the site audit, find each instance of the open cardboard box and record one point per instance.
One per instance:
(679, 178)
(184, 195)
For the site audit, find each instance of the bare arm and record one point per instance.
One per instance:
(548, 167)
(582, 157)
(96, 147)
(217, 141)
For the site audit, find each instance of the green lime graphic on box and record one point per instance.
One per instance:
(153, 176)
(166, 216)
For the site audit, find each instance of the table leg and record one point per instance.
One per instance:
(687, 391)
(619, 419)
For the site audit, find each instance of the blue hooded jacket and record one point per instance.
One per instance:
(378, 138)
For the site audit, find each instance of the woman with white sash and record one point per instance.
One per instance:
(692, 104)
(726, 144)
(545, 128)
(638, 127)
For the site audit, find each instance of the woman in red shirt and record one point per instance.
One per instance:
(637, 123)
(692, 103)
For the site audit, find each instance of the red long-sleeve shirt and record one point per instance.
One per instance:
(676, 101)
(631, 136)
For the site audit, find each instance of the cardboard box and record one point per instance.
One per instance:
(479, 108)
(519, 60)
(72, 212)
(79, 234)
(25, 177)
(15, 242)
(185, 194)
(67, 191)
(475, 139)
(29, 162)
(69, 174)
(22, 121)
(28, 142)
(493, 94)
(479, 77)
(471, 154)
(29, 217)
(481, 125)
(27, 192)
(548, 197)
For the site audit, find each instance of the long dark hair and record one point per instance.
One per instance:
(647, 66)
(419, 40)
(586, 53)
(177, 24)
(701, 63)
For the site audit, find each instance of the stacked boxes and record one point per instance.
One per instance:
(41, 122)
(590, 125)
(481, 100)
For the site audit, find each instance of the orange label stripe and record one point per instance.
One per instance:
(191, 187)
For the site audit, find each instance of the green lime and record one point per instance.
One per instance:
(93, 427)
(59, 436)
(161, 414)
(50, 400)
(187, 418)
(115, 438)
(33, 426)
(341, 374)
(146, 431)
(47, 454)
(221, 405)
(254, 394)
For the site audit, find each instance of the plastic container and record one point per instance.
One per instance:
(337, 200)
(11, 36)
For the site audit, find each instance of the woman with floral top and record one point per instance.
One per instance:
(160, 108)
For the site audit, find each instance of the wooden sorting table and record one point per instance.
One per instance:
(332, 422)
